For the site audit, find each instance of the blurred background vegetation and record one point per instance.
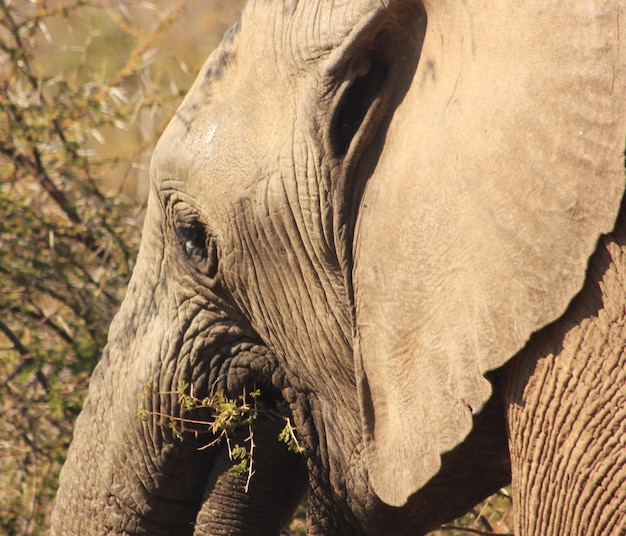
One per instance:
(86, 87)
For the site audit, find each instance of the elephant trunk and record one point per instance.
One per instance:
(262, 504)
(122, 473)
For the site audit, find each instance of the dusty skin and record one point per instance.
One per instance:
(404, 221)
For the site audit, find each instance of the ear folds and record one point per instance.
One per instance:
(500, 169)
(370, 73)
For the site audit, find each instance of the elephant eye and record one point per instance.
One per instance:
(199, 246)
(355, 103)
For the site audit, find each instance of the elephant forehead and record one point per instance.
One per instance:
(227, 130)
(218, 147)
(302, 32)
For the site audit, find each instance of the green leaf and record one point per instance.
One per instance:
(239, 468)
(142, 412)
(182, 387)
(238, 452)
(175, 430)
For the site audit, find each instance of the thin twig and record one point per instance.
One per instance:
(250, 457)
(473, 531)
(15, 340)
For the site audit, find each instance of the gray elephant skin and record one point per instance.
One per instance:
(402, 222)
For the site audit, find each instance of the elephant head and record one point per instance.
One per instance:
(361, 208)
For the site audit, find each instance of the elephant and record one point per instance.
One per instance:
(400, 223)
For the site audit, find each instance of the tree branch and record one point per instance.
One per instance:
(469, 530)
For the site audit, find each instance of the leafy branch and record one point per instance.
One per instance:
(228, 415)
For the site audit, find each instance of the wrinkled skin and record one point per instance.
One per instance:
(366, 210)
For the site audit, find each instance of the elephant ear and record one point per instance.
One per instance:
(500, 168)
